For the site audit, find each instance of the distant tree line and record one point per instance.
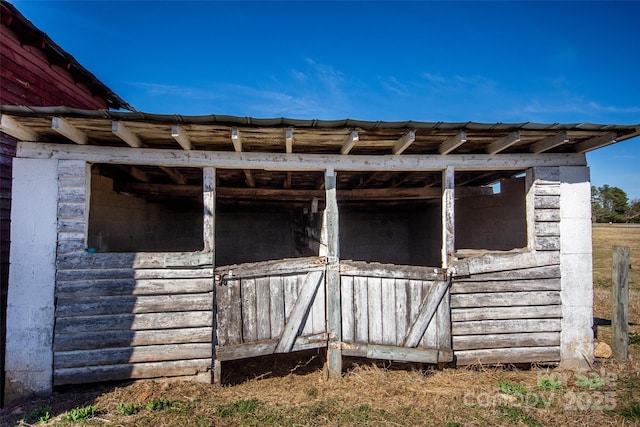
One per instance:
(611, 204)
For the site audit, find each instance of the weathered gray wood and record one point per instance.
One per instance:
(374, 269)
(347, 308)
(543, 272)
(87, 306)
(273, 268)
(547, 189)
(130, 273)
(508, 261)
(117, 356)
(135, 260)
(263, 308)
(547, 202)
(361, 303)
(362, 350)
(443, 322)
(266, 347)
(513, 355)
(209, 210)
(428, 308)
(69, 246)
(71, 194)
(300, 311)
(547, 215)
(249, 311)
(134, 322)
(503, 313)
(401, 309)
(108, 287)
(374, 294)
(424, 355)
(224, 306)
(276, 295)
(460, 287)
(388, 311)
(318, 312)
(72, 210)
(71, 225)
(105, 339)
(529, 339)
(290, 294)
(547, 243)
(130, 370)
(505, 299)
(448, 223)
(547, 229)
(505, 326)
(620, 312)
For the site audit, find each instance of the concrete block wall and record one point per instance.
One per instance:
(30, 310)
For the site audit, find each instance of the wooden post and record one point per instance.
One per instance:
(448, 225)
(620, 315)
(334, 328)
(208, 237)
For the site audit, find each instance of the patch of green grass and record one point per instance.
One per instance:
(79, 414)
(126, 408)
(312, 392)
(631, 412)
(549, 383)
(511, 389)
(157, 404)
(517, 415)
(634, 338)
(43, 414)
(239, 407)
(590, 383)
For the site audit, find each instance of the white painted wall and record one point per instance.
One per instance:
(30, 311)
(576, 348)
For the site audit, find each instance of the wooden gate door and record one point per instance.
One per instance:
(270, 307)
(395, 312)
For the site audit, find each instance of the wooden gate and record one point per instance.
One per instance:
(395, 312)
(387, 311)
(270, 307)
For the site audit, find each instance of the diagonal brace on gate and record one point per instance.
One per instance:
(300, 311)
(428, 308)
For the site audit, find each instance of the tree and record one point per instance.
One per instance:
(609, 204)
(633, 213)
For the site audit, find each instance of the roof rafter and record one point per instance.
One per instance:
(288, 140)
(175, 176)
(125, 134)
(452, 143)
(404, 142)
(550, 143)
(236, 139)
(349, 142)
(504, 143)
(179, 134)
(596, 142)
(10, 126)
(69, 131)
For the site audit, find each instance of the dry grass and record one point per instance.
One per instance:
(281, 392)
(604, 238)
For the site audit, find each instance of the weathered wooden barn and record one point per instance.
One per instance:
(34, 70)
(163, 245)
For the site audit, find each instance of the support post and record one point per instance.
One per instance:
(448, 213)
(334, 327)
(620, 315)
(208, 237)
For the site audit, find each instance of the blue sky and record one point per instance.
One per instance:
(492, 62)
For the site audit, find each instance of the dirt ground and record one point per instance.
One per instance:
(281, 392)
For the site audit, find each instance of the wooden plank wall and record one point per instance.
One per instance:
(255, 301)
(509, 310)
(126, 315)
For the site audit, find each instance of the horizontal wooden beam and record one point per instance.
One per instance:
(277, 193)
(596, 142)
(179, 134)
(125, 134)
(404, 142)
(11, 127)
(301, 161)
(452, 143)
(288, 140)
(69, 131)
(349, 142)
(504, 143)
(550, 143)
